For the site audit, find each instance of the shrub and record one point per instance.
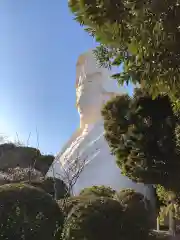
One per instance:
(100, 218)
(6, 147)
(51, 186)
(67, 204)
(13, 155)
(170, 202)
(17, 174)
(98, 191)
(43, 163)
(165, 195)
(138, 214)
(28, 213)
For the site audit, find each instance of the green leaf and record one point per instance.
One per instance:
(117, 61)
(133, 48)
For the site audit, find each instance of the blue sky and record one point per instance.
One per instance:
(39, 45)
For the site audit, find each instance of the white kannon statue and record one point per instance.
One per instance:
(86, 160)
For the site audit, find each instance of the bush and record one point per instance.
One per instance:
(98, 191)
(28, 213)
(43, 163)
(67, 204)
(165, 195)
(170, 201)
(51, 186)
(16, 175)
(100, 218)
(6, 147)
(138, 214)
(13, 155)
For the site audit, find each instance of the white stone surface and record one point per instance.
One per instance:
(87, 149)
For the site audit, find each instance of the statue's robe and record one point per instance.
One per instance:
(86, 160)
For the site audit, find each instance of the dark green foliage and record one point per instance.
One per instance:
(6, 147)
(67, 204)
(43, 163)
(128, 197)
(162, 194)
(138, 213)
(139, 34)
(141, 133)
(55, 187)
(100, 218)
(157, 201)
(170, 205)
(98, 191)
(12, 156)
(167, 197)
(28, 213)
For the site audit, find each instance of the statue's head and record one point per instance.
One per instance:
(93, 87)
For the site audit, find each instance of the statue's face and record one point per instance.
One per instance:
(88, 64)
(89, 94)
(88, 85)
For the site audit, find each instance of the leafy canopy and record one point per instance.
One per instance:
(143, 35)
(141, 132)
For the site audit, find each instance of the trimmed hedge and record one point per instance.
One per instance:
(67, 204)
(13, 155)
(28, 213)
(138, 213)
(51, 185)
(100, 218)
(98, 191)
